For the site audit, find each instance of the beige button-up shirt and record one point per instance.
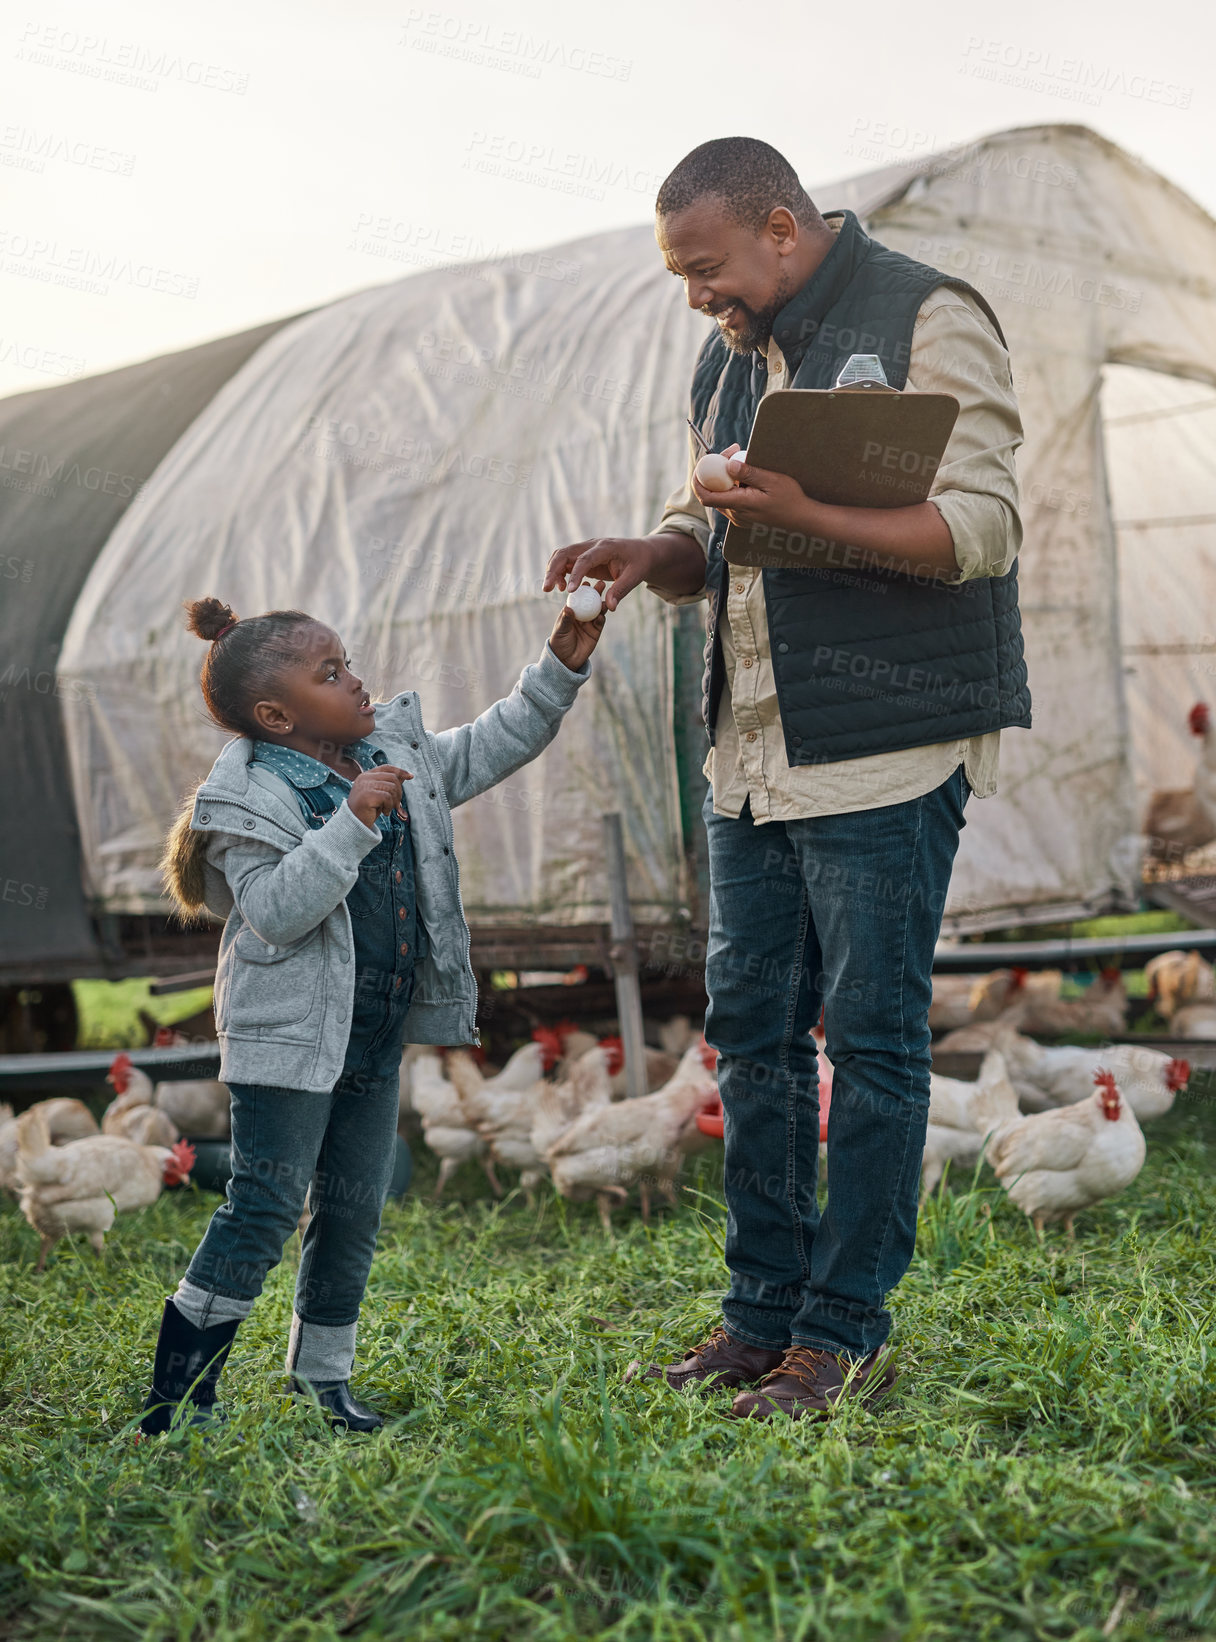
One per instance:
(954, 350)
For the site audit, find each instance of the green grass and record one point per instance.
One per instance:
(1046, 1470)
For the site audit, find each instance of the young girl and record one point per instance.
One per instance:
(344, 937)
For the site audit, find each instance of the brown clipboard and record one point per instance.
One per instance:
(859, 446)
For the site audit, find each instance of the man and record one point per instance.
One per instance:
(851, 711)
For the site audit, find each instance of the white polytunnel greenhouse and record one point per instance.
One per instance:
(401, 462)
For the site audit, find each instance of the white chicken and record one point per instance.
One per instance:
(65, 1119)
(1178, 978)
(82, 1185)
(588, 1084)
(660, 1067)
(635, 1142)
(1100, 1011)
(1183, 819)
(501, 1109)
(446, 1126)
(132, 1113)
(201, 1107)
(1053, 1164)
(676, 1035)
(963, 1115)
(1063, 1075)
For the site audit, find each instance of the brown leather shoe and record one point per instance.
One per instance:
(811, 1381)
(718, 1361)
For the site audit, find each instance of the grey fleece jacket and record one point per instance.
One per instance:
(285, 979)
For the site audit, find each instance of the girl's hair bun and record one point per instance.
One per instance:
(209, 617)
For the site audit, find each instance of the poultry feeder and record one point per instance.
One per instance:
(711, 1121)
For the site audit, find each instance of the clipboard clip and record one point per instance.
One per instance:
(862, 370)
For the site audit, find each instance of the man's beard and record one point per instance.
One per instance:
(757, 324)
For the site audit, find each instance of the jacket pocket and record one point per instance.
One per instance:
(271, 986)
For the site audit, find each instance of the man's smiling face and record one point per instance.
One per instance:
(742, 278)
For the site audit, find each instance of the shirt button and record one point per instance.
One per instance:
(751, 735)
(738, 587)
(747, 661)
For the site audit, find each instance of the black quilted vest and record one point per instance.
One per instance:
(863, 664)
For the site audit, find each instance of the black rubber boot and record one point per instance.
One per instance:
(335, 1398)
(183, 1354)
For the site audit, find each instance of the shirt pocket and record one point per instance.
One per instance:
(272, 986)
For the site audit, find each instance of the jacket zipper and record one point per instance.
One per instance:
(468, 937)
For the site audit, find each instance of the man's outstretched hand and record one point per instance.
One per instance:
(622, 560)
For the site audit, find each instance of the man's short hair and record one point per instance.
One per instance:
(750, 178)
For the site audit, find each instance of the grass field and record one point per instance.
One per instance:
(1046, 1471)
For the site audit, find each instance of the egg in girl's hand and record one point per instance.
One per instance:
(585, 603)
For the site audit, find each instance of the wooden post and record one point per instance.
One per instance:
(624, 954)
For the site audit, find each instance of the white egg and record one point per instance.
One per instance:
(739, 456)
(585, 602)
(711, 471)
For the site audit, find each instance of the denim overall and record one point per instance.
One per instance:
(386, 929)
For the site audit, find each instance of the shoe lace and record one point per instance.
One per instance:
(799, 1363)
(718, 1339)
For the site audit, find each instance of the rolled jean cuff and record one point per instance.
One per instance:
(204, 1308)
(751, 1329)
(850, 1353)
(317, 1352)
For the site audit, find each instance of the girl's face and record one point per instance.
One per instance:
(320, 701)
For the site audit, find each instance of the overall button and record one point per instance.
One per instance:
(405, 946)
(398, 877)
(397, 983)
(400, 910)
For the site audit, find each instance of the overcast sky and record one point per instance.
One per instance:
(172, 174)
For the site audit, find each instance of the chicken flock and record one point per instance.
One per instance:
(1060, 1126)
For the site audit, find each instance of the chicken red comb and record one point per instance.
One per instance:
(614, 1054)
(1199, 718)
(564, 1029)
(709, 1056)
(122, 1062)
(1106, 1081)
(179, 1162)
(1177, 1074)
(1111, 972)
(164, 1037)
(1018, 979)
(550, 1045)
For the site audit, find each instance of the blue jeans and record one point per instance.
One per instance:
(840, 912)
(343, 1145)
